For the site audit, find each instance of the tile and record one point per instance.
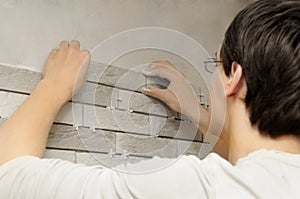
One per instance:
(115, 119)
(111, 75)
(95, 71)
(114, 76)
(64, 137)
(97, 140)
(67, 137)
(122, 99)
(189, 147)
(70, 113)
(141, 103)
(131, 122)
(90, 117)
(18, 79)
(94, 94)
(9, 102)
(146, 145)
(24, 81)
(122, 78)
(182, 129)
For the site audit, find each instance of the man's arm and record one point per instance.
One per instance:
(26, 131)
(179, 97)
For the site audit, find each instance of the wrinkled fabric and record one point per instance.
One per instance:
(262, 174)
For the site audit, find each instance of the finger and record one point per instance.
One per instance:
(85, 54)
(63, 45)
(51, 56)
(86, 58)
(53, 52)
(75, 44)
(156, 93)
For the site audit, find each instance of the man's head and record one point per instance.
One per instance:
(264, 39)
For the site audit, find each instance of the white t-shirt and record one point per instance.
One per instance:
(262, 174)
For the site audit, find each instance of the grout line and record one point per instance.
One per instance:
(97, 152)
(130, 133)
(96, 105)
(135, 133)
(151, 114)
(87, 103)
(14, 91)
(62, 124)
(120, 131)
(113, 86)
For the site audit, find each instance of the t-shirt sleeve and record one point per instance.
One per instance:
(32, 177)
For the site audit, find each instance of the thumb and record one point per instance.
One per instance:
(161, 94)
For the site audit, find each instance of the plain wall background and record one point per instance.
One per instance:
(30, 28)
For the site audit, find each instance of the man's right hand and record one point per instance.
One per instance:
(178, 96)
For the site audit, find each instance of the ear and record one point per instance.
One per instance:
(235, 79)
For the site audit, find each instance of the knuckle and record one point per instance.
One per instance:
(63, 42)
(153, 66)
(75, 41)
(164, 63)
(156, 64)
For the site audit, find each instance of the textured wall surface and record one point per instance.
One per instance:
(106, 118)
(103, 120)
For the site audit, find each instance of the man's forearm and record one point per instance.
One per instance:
(26, 131)
(201, 118)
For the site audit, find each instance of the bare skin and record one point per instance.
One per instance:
(180, 98)
(26, 131)
(239, 137)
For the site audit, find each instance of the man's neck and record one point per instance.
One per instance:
(244, 138)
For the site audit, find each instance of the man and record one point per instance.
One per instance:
(260, 73)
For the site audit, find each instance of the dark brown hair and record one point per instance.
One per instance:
(264, 38)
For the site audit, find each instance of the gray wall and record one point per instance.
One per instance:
(30, 28)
